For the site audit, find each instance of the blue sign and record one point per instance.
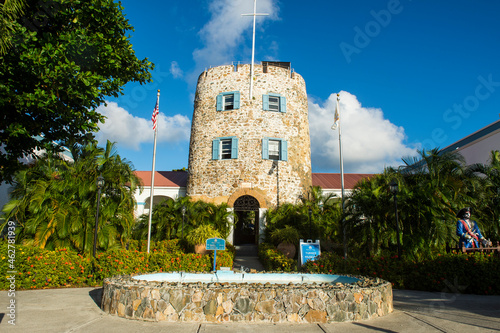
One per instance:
(216, 244)
(309, 251)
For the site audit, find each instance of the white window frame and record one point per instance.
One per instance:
(228, 153)
(274, 103)
(223, 98)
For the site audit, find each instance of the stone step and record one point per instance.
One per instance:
(246, 250)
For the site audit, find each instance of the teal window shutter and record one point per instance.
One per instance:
(265, 102)
(215, 149)
(236, 100)
(219, 102)
(234, 147)
(282, 104)
(265, 148)
(284, 150)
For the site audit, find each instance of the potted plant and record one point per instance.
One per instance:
(286, 238)
(198, 237)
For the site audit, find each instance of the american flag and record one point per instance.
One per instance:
(156, 111)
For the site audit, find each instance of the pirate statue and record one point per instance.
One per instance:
(468, 231)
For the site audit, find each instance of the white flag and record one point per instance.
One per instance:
(336, 117)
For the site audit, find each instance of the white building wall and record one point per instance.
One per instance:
(479, 151)
(160, 193)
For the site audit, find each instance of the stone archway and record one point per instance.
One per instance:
(246, 210)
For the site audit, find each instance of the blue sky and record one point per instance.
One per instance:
(411, 74)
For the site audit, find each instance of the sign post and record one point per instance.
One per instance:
(308, 250)
(215, 244)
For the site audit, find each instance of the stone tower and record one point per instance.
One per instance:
(252, 154)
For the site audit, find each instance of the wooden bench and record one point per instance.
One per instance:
(463, 249)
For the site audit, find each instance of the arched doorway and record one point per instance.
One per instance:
(246, 210)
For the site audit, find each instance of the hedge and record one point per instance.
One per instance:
(274, 260)
(456, 273)
(37, 268)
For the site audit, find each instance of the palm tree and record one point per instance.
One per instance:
(10, 10)
(368, 215)
(434, 187)
(487, 194)
(54, 201)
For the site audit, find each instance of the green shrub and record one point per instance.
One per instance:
(287, 234)
(200, 234)
(456, 273)
(38, 268)
(274, 260)
(163, 246)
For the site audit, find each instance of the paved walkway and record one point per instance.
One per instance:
(77, 310)
(246, 258)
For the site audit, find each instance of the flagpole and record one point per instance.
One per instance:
(342, 179)
(254, 14)
(155, 128)
(253, 49)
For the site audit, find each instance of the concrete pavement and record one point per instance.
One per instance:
(77, 310)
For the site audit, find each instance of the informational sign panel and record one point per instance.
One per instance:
(308, 250)
(216, 244)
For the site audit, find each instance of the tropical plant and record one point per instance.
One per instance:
(486, 192)
(221, 218)
(167, 219)
(10, 10)
(200, 234)
(66, 58)
(166, 222)
(285, 235)
(432, 188)
(367, 217)
(54, 201)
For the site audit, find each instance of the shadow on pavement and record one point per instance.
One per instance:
(96, 296)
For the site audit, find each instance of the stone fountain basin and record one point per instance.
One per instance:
(233, 277)
(226, 296)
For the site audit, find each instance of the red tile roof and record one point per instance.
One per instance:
(164, 178)
(323, 180)
(332, 180)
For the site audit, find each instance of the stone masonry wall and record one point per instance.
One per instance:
(231, 302)
(215, 180)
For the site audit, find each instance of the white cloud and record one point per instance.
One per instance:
(369, 141)
(130, 131)
(175, 70)
(224, 32)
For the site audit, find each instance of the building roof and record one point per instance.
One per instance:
(333, 181)
(474, 137)
(323, 180)
(164, 178)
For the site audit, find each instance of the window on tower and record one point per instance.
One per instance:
(225, 148)
(228, 101)
(274, 149)
(274, 102)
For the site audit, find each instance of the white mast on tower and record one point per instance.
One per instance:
(254, 14)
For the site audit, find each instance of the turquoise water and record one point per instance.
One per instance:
(229, 276)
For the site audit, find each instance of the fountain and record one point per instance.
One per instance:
(227, 296)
